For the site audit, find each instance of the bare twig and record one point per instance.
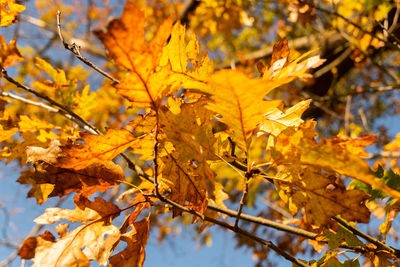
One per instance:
(74, 48)
(242, 199)
(96, 51)
(347, 115)
(257, 239)
(336, 14)
(265, 222)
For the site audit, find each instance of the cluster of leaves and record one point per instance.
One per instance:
(193, 136)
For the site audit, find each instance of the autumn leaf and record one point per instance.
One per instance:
(321, 197)
(126, 44)
(27, 124)
(9, 11)
(188, 67)
(95, 177)
(9, 54)
(7, 134)
(336, 154)
(85, 211)
(96, 149)
(136, 240)
(282, 70)
(125, 40)
(92, 241)
(245, 108)
(277, 120)
(187, 183)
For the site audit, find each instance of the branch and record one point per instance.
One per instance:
(240, 231)
(334, 13)
(65, 109)
(34, 231)
(80, 42)
(75, 49)
(265, 222)
(369, 238)
(257, 239)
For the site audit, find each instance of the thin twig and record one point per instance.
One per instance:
(33, 232)
(89, 127)
(257, 239)
(396, 45)
(265, 222)
(369, 238)
(94, 50)
(75, 49)
(242, 199)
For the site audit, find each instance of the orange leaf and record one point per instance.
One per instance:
(96, 149)
(136, 240)
(125, 41)
(9, 54)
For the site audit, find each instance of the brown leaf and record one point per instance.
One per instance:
(96, 177)
(27, 250)
(134, 253)
(85, 211)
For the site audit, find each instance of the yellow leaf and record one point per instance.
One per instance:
(57, 75)
(277, 120)
(9, 11)
(27, 124)
(239, 100)
(7, 134)
(336, 154)
(322, 197)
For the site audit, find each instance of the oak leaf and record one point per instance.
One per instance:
(124, 39)
(96, 149)
(277, 120)
(322, 197)
(85, 211)
(336, 154)
(92, 241)
(244, 108)
(136, 240)
(284, 71)
(189, 68)
(93, 178)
